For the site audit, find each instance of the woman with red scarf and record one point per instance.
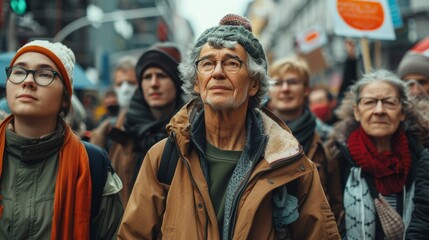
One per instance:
(376, 146)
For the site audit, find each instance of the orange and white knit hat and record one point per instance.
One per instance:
(61, 55)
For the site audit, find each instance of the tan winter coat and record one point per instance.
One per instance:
(187, 212)
(329, 174)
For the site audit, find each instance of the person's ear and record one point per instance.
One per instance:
(356, 113)
(402, 117)
(254, 87)
(196, 86)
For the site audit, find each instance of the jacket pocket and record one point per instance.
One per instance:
(329, 221)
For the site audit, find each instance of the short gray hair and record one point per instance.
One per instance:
(414, 121)
(382, 76)
(189, 72)
(127, 63)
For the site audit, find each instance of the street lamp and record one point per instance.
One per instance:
(106, 17)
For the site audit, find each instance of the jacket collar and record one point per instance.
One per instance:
(281, 144)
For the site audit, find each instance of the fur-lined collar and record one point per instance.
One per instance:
(281, 143)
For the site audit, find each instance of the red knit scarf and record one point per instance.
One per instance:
(72, 198)
(389, 168)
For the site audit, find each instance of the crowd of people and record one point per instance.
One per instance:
(215, 144)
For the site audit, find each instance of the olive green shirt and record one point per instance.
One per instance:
(221, 166)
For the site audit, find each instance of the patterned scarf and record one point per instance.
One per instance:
(359, 207)
(389, 168)
(72, 198)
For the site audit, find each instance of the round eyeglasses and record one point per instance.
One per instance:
(230, 65)
(291, 82)
(42, 77)
(387, 102)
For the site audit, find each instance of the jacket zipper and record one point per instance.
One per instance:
(188, 168)
(243, 185)
(245, 181)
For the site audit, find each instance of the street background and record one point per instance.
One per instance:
(101, 32)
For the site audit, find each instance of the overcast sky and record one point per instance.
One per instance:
(205, 14)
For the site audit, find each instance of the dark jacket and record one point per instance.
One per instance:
(343, 161)
(419, 225)
(139, 133)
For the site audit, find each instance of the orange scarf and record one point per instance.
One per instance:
(72, 200)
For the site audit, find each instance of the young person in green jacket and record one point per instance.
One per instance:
(49, 188)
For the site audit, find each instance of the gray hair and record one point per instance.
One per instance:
(127, 63)
(189, 73)
(386, 77)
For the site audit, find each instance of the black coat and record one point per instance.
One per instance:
(419, 225)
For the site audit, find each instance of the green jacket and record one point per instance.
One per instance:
(28, 185)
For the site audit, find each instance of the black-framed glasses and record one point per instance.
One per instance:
(387, 102)
(230, 65)
(291, 82)
(42, 77)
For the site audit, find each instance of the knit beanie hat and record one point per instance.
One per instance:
(61, 55)
(164, 55)
(416, 60)
(236, 28)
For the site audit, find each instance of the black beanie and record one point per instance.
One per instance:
(164, 55)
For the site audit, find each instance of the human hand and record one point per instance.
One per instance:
(350, 48)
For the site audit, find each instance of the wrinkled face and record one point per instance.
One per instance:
(379, 111)
(287, 92)
(421, 85)
(159, 90)
(223, 90)
(27, 99)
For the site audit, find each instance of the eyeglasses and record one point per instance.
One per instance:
(419, 82)
(230, 65)
(42, 77)
(292, 82)
(387, 102)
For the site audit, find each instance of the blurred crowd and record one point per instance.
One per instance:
(325, 164)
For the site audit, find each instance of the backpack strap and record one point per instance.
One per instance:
(169, 160)
(99, 165)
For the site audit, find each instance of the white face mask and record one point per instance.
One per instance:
(124, 93)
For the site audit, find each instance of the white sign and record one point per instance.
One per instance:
(362, 18)
(311, 39)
